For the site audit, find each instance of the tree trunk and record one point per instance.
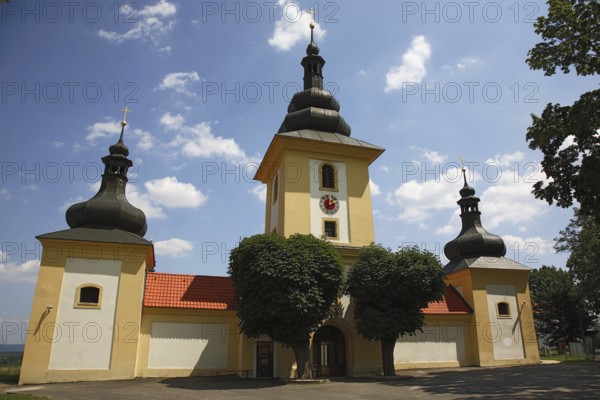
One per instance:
(387, 356)
(303, 366)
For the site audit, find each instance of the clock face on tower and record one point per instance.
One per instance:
(329, 204)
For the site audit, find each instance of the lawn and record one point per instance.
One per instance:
(22, 397)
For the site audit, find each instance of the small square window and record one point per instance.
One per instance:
(330, 229)
(88, 296)
(503, 309)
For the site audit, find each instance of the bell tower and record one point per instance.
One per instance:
(317, 176)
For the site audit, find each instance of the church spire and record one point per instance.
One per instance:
(109, 208)
(473, 240)
(314, 108)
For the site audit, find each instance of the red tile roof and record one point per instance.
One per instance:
(189, 291)
(452, 303)
(217, 293)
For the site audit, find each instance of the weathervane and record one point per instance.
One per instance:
(463, 169)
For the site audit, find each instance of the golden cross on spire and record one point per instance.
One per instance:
(125, 111)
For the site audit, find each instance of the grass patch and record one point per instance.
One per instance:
(10, 367)
(19, 396)
(567, 356)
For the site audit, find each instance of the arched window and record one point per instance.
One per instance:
(275, 188)
(328, 177)
(503, 309)
(88, 296)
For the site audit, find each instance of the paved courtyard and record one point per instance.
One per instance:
(576, 380)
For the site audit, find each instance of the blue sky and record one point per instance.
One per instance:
(209, 84)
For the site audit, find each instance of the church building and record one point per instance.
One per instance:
(101, 311)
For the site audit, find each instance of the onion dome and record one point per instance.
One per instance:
(109, 208)
(473, 240)
(314, 108)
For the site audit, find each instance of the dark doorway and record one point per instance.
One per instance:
(264, 359)
(329, 352)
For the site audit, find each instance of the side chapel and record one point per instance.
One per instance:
(101, 311)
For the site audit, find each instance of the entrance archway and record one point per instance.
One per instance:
(329, 352)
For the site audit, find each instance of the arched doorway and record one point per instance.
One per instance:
(329, 352)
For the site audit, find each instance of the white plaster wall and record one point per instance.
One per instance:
(316, 215)
(438, 343)
(182, 345)
(83, 337)
(504, 333)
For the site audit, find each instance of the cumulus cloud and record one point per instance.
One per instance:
(11, 271)
(412, 69)
(150, 22)
(375, 191)
(111, 128)
(418, 199)
(173, 247)
(292, 28)
(198, 141)
(144, 202)
(180, 82)
(260, 191)
(171, 193)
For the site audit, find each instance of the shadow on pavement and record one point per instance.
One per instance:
(575, 380)
(226, 382)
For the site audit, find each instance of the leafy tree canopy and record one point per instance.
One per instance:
(286, 287)
(559, 313)
(389, 290)
(568, 136)
(581, 238)
(571, 38)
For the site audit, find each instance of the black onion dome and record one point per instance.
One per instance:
(473, 240)
(314, 108)
(312, 49)
(109, 208)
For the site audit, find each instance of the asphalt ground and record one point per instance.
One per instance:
(572, 380)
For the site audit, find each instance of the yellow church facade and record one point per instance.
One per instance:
(100, 310)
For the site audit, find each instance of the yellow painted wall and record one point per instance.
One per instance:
(474, 283)
(238, 358)
(42, 323)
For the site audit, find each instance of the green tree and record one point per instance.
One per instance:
(389, 290)
(559, 313)
(581, 238)
(568, 135)
(286, 287)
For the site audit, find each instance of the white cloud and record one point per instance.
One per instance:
(4, 192)
(292, 28)
(56, 144)
(172, 122)
(199, 141)
(418, 199)
(100, 130)
(375, 191)
(111, 128)
(174, 247)
(510, 200)
(144, 202)
(412, 69)
(171, 193)
(260, 191)
(434, 157)
(146, 140)
(180, 82)
(18, 272)
(506, 160)
(526, 250)
(151, 22)
(467, 62)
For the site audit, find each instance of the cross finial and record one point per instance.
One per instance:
(312, 12)
(125, 111)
